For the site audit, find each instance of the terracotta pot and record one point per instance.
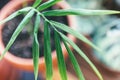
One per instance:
(27, 64)
(8, 72)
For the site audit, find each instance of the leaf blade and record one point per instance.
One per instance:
(13, 15)
(36, 3)
(82, 54)
(73, 32)
(35, 47)
(82, 12)
(74, 62)
(61, 62)
(47, 52)
(47, 4)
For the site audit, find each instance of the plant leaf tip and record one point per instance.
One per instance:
(101, 78)
(1, 22)
(117, 12)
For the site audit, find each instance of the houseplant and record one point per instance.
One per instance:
(38, 9)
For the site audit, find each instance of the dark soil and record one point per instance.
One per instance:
(3, 2)
(22, 46)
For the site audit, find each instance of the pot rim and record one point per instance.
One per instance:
(27, 64)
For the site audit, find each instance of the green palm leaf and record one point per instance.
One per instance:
(17, 31)
(61, 62)
(82, 54)
(74, 62)
(65, 12)
(36, 3)
(13, 15)
(75, 33)
(35, 47)
(47, 52)
(47, 4)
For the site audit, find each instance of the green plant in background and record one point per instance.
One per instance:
(93, 4)
(108, 39)
(37, 10)
(91, 21)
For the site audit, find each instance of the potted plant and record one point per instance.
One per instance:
(27, 64)
(38, 10)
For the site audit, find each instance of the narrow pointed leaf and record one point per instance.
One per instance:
(47, 4)
(13, 15)
(36, 3)
(35, 48)
(74, 62)
(47, 52)
(82, 54)
(61, 62)
(17, 31)
(65, 12)
(75, 33)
